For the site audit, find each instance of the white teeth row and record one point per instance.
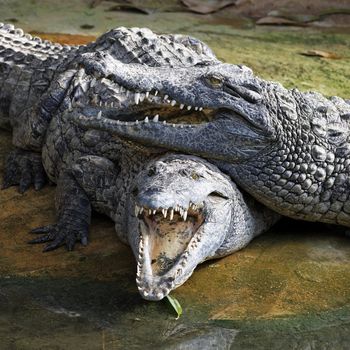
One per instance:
(155, 119)
(140, 96)
(106, 104)
(182, 106)
(182, 211)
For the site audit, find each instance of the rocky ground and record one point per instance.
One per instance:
(288, 289)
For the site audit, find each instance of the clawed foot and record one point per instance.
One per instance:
(24, 168)
(61, 234)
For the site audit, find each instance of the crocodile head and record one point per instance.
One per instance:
(218, 111)
(130, 74)
(181, 210)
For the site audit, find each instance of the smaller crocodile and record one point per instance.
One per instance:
(175, 212)
(187, 211)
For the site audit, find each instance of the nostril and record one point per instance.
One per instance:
(152, 171)
(135, 191)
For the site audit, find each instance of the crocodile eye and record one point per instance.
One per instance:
(214, 81)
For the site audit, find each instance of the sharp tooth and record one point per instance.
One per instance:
(146, 120)
(165, 97)
(136, 122)
(182, 106)
(171, 214)
(111, 105)
(99, 114)
(163, 212)
(164, 121)
(185, 215)
(142, 97)
(173, 103)
(137, 97)
(147, 94)
(106, 104)
(200, 108)
(196, 108)
(100, 103)
(136, 210)
(189, 108)
(156, 93)
(154, 212)
(156, 118)
(149, 212)
(141, 210)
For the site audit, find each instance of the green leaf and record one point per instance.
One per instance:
(176, 305)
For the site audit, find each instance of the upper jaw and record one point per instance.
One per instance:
(152, 284)
(204, 242)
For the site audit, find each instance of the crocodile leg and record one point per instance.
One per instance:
(73, 216)
(24, 168)
(88, 184)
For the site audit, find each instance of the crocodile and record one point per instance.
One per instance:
(187, 211)
(131, 73)
(127, 72)
(288, 149)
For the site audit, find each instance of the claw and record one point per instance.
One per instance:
(5, 185)
(52, 246)
(39, 180)
(42, 229)
(60, 235)
(24, 168)
(42, 239)
(70, 246)
(84, 241)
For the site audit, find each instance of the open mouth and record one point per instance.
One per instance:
(166, 238)
(109, 97)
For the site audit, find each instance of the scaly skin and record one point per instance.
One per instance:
(175, 211)
(129, 73)
(187, 211)
(288, 149)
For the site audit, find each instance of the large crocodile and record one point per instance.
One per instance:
(288, 149)
(43, 84)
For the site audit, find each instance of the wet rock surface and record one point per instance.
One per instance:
(289, 289)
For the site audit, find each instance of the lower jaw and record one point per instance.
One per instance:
(155, 287)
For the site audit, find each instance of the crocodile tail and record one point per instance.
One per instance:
(19, 48)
